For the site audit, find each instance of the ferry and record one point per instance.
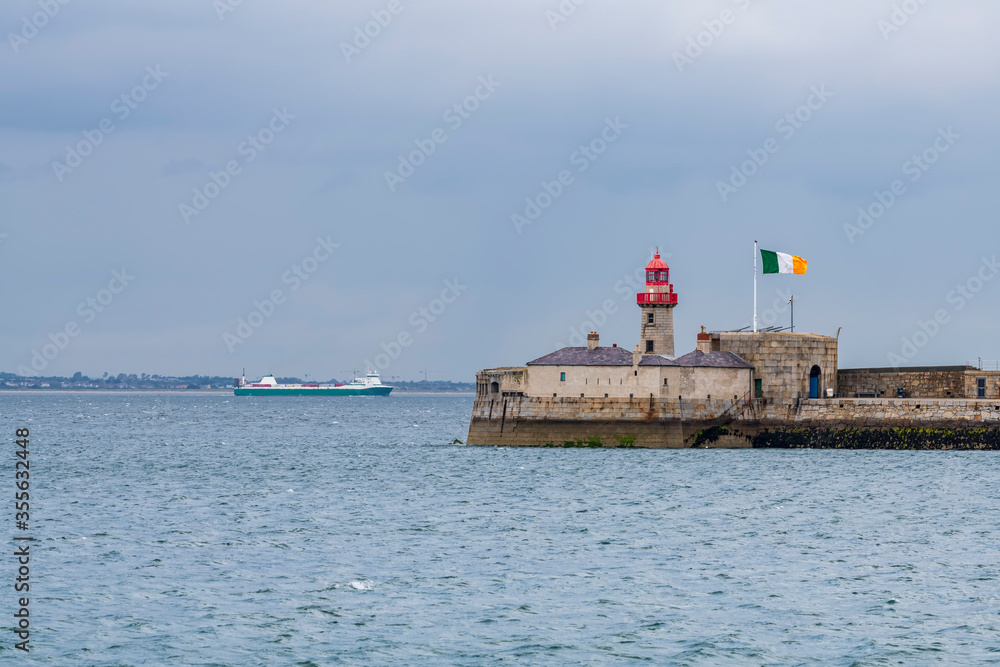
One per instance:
(370, 385)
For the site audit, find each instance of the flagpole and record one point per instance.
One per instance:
(755, 286)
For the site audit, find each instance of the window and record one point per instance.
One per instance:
(661, 276)
(664, 382)
(649, 318)
(649, 346)
(562, 377)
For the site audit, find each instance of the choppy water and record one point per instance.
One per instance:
(182, 529)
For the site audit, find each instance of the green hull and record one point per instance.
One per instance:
(320, 391)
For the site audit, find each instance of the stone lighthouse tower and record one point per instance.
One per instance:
(657, 304)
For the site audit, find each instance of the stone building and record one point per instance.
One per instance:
(787, 366)
(736, 389)
(611, 372)
(729, 367)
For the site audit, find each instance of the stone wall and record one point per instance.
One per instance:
(661, 382)
(704, 382)
(881, 424)
(919, 382)
(829, 423)
(897, 412)
(594, 381)
(608, 422)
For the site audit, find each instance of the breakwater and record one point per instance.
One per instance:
(597, 422)
(513, 420)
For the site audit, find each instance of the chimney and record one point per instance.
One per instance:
(636, 356)
(592, 340)
(704, 341)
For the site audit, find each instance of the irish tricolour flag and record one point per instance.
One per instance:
(779, 262)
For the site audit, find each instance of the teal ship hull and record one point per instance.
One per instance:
(312, 391)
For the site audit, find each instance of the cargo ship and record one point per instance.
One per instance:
(370, 385)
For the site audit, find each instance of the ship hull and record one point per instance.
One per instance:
(312, 391)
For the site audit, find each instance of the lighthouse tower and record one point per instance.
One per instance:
(657, 304)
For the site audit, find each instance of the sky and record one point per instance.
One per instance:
(434, 187)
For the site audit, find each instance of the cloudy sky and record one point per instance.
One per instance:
(477, 180)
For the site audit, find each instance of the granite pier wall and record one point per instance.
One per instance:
(838, 423)
(597, 422)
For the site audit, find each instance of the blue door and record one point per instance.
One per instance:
(814, 376)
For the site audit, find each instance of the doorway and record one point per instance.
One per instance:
(814, 376)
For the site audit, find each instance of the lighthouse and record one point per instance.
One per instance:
(657, 304)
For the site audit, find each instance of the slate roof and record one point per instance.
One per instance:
(656, 360)
(581, 356)
(618, 356)
(712, 360)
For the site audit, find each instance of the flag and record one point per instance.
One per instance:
(779, 262)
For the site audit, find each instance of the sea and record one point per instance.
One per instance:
(206, 529)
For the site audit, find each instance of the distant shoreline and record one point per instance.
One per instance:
(24, 390)
(204, 392)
